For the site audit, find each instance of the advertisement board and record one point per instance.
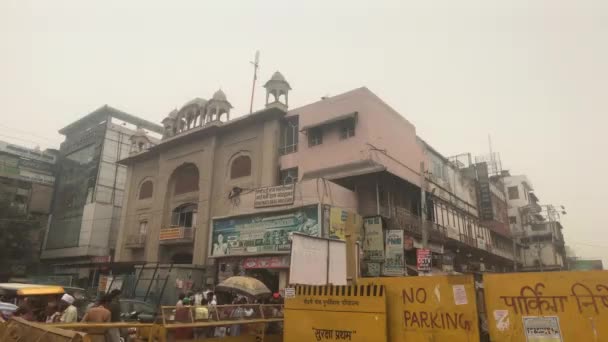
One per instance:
(343, 223)
(262, 233)
(273, 196)
(424, 260)
(394, 262)
(373, 242)
(337, 223)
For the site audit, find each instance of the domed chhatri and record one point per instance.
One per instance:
(219, 95)
(218, 106)
(197, 112)
(277, 86)
(139, 141)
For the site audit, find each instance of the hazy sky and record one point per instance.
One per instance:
(532, 74)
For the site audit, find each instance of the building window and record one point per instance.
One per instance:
(146, 189)
(289, 176)
(184, 216)
(186, 179)
(513, 192)
(512, 219)
(289, 136)
(143, 227)
(347, 129)
(315, 137)
(241, 167)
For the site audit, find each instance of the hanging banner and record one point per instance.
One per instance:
(373, 244)
(394, 262)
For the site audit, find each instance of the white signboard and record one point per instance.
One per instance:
(373, 243)
(317, 261)
(274, 196)
(394, 261)
(542, 328)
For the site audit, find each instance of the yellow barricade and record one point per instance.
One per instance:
(437, 308)
(18, 329)
(550, 306)
(328, 313)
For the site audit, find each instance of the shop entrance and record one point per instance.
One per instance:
(270, 278)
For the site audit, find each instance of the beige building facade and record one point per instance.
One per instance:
(189, 196)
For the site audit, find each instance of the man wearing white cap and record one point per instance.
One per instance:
(70, 313)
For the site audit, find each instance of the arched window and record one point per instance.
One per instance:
(186, 179)
(184, 216)
(241, 167)
(146, 190)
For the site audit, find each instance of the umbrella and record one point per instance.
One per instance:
(246, 285)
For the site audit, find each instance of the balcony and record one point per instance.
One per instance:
(405, 220)
(135, 241)
(176, 235)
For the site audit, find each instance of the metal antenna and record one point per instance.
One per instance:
(256, 65)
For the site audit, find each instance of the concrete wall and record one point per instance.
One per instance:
(40, 199)
(548, 254)
(308, 192)
(524, 187)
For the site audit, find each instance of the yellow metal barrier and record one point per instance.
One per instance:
(437, 308)
(550, 306)
(18, 329)
(97, 331)
(327, 313)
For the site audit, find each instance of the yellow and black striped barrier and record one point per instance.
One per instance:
(335, 313)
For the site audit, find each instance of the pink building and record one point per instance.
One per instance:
(351, 134)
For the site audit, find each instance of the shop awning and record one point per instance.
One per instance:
(348, 170)
(330, 121)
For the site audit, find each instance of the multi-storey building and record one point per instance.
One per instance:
(458, 200)
(219, 197)
(90, 188)
(204, 198)
(537, 227)
(27, 178)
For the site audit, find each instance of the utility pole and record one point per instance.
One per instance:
(256, 64)
(423, 226)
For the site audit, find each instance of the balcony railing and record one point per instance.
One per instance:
(176, 235)
(135, 241)
(401, 218)
(469, 240)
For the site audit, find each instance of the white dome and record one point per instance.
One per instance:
(277, 76)
(219, 95)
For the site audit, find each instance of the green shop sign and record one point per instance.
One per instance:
(263, 233)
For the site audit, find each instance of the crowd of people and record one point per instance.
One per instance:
(206, 305)
(105, 310)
